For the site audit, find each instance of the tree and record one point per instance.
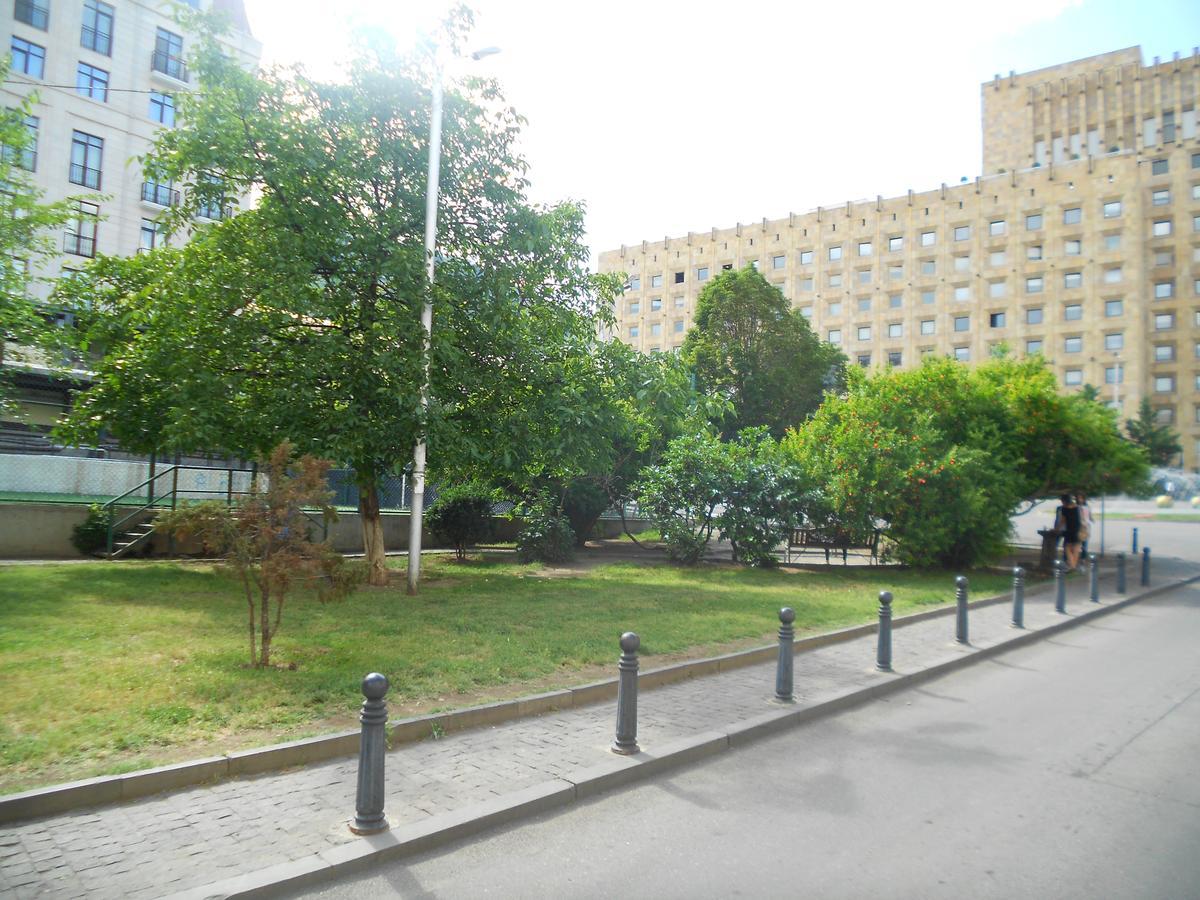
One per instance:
(1160, 442)
(462, 515)
(300, 317)
(748, 346)
(266, 537)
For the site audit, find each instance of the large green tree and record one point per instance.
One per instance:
(299, 317)
(750, 347)
(1160, 442)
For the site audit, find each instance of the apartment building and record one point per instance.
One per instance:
(106, 75)
(1081, 242)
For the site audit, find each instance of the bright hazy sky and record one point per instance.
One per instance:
(665, 117)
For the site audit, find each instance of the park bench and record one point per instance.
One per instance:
(805, 540)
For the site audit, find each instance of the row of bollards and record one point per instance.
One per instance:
(369, 817)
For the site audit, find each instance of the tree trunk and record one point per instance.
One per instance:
(372, 531)
(264, 643)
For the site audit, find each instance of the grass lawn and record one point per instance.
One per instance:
(110, 667)
(1164, 516)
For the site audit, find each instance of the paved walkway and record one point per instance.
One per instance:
(172, 842)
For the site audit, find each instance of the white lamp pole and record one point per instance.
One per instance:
(417, 508)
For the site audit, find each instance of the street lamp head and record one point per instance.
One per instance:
(485, 51)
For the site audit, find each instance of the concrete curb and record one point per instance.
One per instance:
(60, 798)
(609, 773)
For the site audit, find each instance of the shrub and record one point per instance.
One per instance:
(547, 536)
(91, 534)
(462, 516)
(682, 493)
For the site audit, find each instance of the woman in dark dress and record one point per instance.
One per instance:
(1067, 521)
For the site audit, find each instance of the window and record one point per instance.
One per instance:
(678, 326)
(1073, 376)
(806, 311)
(168, 55)
(1159, 167)
(1164, 384)
(1114, 308)
(864, 304)
(864, 248)
(1112, 209)
(928, 326)
(928, 297)
(895, 358)
(1164, 416)
(996, 320)
(1073, 344)
(962, 232)
(1072, 216)
(864, 359)
(895, 272)
(962, 354)
(656, 329)
(634, 331)
(1164, 289)
(895, 330)
(895, 301)
(835, 279)
(1072, 279)
(702, 273)
(864, 276)
(162, 108)
(679, 303)
(28, 59)
(1160, 198)
(80, 238)
(834, 336)
(1164, 321)
(211, 203)
(1033, 316)
(928, 238)
(1161, 227)
(1114, 374)
(655, 304)
(655, 281)
(777, 262)
(835, 309)
(962, 292)
(998, 258)
(1033, 346)
(835, 253)
(91, 82)
(754, 264)
(1112, 275)
(962, 263)
(1033, 222)
(1112, 242)
(962, 323)
(1073, 312)
(31, 12)
(997, 228)
(97, 30)
(152, 235)
(87, 152)
(895, 243)
(928, 267)
(1033, 251)
(997, 289)
(806, 284)
(1072, 248)
(1164, 352)
(679, 275)
(1195, 223)
(635, 307)
(864, 332)
(1034, 285)
(1114, 340)
(635, 283)
(26, 157)
(806, 257)
(1196, 191)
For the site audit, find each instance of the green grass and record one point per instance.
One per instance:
(1162, 516)
(109, 667)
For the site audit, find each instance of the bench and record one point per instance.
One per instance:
(804, 540)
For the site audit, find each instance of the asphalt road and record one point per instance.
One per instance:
(1065, 770)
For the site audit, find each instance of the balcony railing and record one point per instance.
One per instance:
(214, 212)
(159, 194)
(32, 13)
(169, 64)
(94, 39)
(88, 177)
(79, 244)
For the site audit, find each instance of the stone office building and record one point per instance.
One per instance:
(1081, 241)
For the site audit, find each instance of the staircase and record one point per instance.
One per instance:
(124, 543)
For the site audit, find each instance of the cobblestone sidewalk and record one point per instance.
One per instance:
(171, 842)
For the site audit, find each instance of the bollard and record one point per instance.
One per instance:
(883, 654)
(627, 688)
(368, 801)
(960, 597)
(783, 671)
(1145, 567)
(1060, 586)
(1135, 540)
(1120, 573)
(1093, 579)
(1018, 615)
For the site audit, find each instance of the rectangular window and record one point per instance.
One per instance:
(1034, 285)
(864, 304)
(864, 332)
(1072, 312)
(895, 272)
(806, 257)
(655, 281)
(26, 157)
(1114, 374)
(1112, 242)
(1073, 376)
(835, 308)
(1164, 321)
(962, 264)
(634, 331)
(754, 264)
(1195, 223)
(1164, 289)
(1072, 216)
(895, 301)
(998, 258)
(679, 303)
(835, 253)
(806, 311)
(97, 30)
(962, 292)
(678, 326)
(834, 335)
(162, 108)
(864, 359)
(864, 248)
(1072, 279)
(1033, 316)
(1164, 352)
(806, 284)
(655, 304)
(997, 228)
(702, 273)
(1072, 248)
(1112, 209)
(864, 276)
(1033, 222)
(1159, 167)
(962, 354)
(895, 243)
(1073, 344)
(928, 238)
(1033, 346)
(1164, 384)
(33, 12)
(962, 232)
(91, 82)
(928, 267)
(80, 238)
(895, 358)
(679, 275)
(168, 55)
(996, 320)
(1033, 251)
(211, 204)
(1114, 340)
(1160, 198)
(635, 307)
(1161, 227)
(962, 323)
(835, 279)
(895, 330)
(777, 262)
(928, 297)
(997, 289)
(656, 329)
(635, 283)
(1112, 275)
(1164, 416)
(152, 235)
(87, 152)
(27, 58)
(928, 326)
(1114, 308)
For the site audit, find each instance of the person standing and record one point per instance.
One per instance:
(1085, 523)
(1066, 522)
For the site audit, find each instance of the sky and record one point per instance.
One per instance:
(665, 117)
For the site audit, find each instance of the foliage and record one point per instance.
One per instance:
(267, 539)
(300, 318)
(547, 536)
(681, 494)
(750, 347)
(91, 534)
(462, 515)
(582, 504)
(1160, 442)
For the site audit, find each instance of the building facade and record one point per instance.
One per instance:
(106, 75)
(1081, 242)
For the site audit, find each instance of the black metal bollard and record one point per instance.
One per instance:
(368, 801)
(1093, 579)
(1060, 586)
(883, 653)
(1145, 567)
(1135, 540)
(1120, 573)
(783, 671)
(627, 689)
(960, 598)
(1018, 612)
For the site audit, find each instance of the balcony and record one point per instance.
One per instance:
(32, 13)
(85, 175)
(168, 64)
(80, 244)
(214, 212)
(159, 194)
